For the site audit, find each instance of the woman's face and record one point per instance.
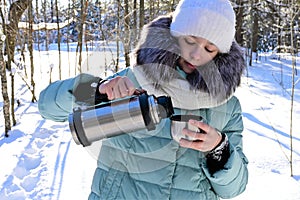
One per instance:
(195, 51)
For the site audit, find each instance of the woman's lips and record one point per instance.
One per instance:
(189, 65)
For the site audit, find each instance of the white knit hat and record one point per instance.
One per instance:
(213, 20)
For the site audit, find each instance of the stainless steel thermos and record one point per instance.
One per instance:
(117, 117)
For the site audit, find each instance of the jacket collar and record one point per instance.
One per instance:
(157, 54)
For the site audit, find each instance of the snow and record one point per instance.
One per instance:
(41, 161)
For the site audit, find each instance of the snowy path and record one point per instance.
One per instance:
(43, 161)
(40, 161)
(35, 157)
(266, 110)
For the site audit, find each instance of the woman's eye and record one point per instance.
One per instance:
(189, 41)
(209, 50)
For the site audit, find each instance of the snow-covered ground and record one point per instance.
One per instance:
(40, 160)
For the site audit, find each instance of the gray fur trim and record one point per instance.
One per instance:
(158, 51)
(222, 75)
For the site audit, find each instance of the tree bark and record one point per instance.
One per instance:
(30, 48)
(6, 103)
(58, 40)
(142, 14)
(118, 36)
(255, 27)
(254, 32)
(16, 10)
(127, 34)
(239, 22)
(81, 33)
(134, 25)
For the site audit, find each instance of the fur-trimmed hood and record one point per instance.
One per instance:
(157, 54)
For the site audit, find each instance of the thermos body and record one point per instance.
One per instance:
(118, 117)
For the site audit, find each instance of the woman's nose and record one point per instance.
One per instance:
(196, 53)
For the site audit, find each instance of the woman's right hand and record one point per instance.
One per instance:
(118, 87)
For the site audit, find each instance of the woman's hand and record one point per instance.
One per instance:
(204, 141)
(118, 87)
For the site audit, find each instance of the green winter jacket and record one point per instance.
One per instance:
(150, 164)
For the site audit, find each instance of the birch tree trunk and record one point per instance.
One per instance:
(30, 48)
(6, 103)
(68, 37)
(81, 33)
(134, 24)
(294, 9)
(58, 40)
(239, 21)
(142, 14)
(16, 10)
(127, 34)
(254, 35)
(118, 36)
(292, 98)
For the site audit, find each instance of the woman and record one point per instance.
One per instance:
(193, 58)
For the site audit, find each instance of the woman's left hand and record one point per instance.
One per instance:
(204, 141)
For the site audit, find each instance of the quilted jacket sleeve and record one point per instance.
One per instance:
(232, 179)
(57, 100)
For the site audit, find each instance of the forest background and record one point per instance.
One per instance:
(53, 39)
(112, 28)
(28, 25)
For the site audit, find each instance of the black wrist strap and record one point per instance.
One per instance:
(217, 158)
